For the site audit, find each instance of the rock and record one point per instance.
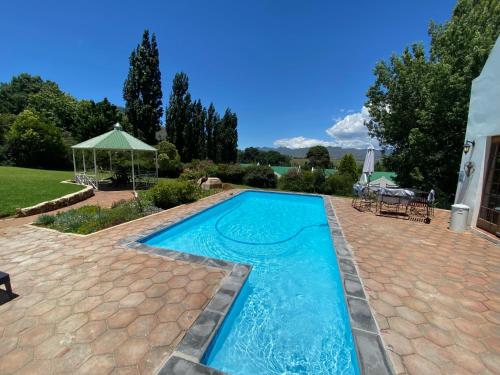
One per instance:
(212, 183)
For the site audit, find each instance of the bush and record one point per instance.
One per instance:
(260, 176)
(231, 173)
(167, 194)
(169, 161)
(339, 184)
(198, 169)
(303, 181)
(89, 219)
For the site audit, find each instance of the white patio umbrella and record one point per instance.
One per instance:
(368, 165)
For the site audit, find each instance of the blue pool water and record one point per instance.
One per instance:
(290, 317)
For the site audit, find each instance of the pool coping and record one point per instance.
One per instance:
(371, 354)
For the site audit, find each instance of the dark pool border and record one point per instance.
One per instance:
(372, 357)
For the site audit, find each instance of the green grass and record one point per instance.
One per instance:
(24, 187)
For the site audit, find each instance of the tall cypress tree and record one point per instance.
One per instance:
(227, 138)
(178, 114)
(198, 141)
(211, 122)
(142, 89)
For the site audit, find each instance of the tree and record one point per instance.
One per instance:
(251, 155)
(347, 167)
(93, 119)
(14, 95)
(210, 128)
(318, 157)
(197, 142)
(419, 104)
(33, 142)
(227, 138)
(142, 89)
(178, 113)
(55, 106)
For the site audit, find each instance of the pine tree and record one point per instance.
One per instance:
(178, 114)
(142, 89)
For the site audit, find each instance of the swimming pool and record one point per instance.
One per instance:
(290, 316)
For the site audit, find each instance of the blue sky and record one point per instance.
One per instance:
(295, 72)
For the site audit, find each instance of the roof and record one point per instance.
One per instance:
(387, 175)
(116, 139)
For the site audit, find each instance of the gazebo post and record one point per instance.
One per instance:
(95, 173)
(110, 164)
(133, 172)
(156, 164)
(74, 162)
(84, 168)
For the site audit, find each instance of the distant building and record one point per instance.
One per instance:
(479, 175)
(383, 179)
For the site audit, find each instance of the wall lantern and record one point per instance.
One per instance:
(468, 145)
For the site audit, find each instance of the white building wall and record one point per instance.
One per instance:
(483, 123)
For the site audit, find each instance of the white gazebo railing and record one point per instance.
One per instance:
(85, 179)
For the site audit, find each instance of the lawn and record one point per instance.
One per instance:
(24, 187)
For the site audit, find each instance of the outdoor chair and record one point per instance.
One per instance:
(5, 280)
(364, 196)
(422, 206)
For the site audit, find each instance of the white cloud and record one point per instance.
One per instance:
(300, 142)
(347, 132)
(351, 131)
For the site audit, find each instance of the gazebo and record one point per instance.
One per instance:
(114, 140)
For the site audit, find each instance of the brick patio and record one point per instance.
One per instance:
(435, 293)
(90, 306)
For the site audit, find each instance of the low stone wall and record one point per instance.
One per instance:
(57, 203)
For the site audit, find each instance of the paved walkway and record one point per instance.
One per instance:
(436, 293)
(90, 306)
(101, 198)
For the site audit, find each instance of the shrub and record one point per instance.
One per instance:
(167, 194)
(295, 180)
(304, 181)
(339, 184)
(260, 176)
(231, 173)
(199, 168)
(88, 219)
(45, 220)
(169, 161)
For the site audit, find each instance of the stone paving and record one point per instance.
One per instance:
(435, 293)
(87, 305)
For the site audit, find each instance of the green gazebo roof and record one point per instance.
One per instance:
(116, 139)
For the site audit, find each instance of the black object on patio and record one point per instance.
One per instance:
(5, 280)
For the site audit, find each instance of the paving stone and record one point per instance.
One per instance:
(131, 351)
(416, 364)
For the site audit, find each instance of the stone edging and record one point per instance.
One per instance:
(54, 204)
(372, 357)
